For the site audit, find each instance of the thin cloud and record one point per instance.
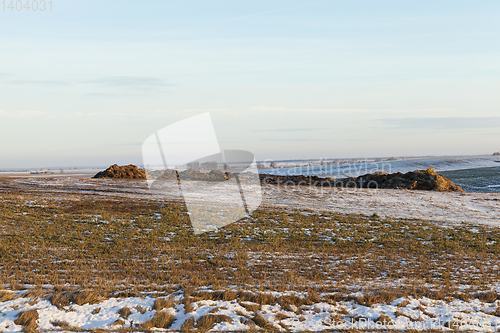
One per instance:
(291, 129)
(40, 82)
(117, 95)
(130, 81)
(444, 123)
(23, 114)
(291, 140)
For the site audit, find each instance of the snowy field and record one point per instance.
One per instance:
(309, 259)
(481, 208)
(454, 208)
(236, 315)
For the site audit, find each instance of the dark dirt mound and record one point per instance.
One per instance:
(427, 180)
(190, 174)
(213, 175)
(122, 172)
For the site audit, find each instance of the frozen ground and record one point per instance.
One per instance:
(481, 208)
(435, 206)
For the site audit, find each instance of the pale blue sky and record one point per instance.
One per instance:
(88, 82)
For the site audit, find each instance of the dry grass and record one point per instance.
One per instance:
(488, 297)
(118, 322)
(64, 299)
(188, 307)
(188, 325)
(252, 307)
(61, 324)
(404, 303)
(60, 300)
(162, 319)
(399, 313)
(280, 316)
(343, 311)
(384, 319)
(497, 312)
(27, 319)
(65, 326)
(208, 321)
(163, 303)
(248, 322)
(86, 297)
(140, 309)
(96, 242)
(263, 323)
(124, 312)
(6, 295)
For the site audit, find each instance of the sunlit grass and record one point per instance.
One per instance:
(130, 246)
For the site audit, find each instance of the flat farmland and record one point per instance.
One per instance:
(70, 245)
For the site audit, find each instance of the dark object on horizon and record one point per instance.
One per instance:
(122, 172)
(497, 153)
(212, 165)
(193, 165)
(427, 180)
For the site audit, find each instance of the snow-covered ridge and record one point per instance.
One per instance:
(403, 165)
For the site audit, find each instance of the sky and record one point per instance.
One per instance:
(87, 82)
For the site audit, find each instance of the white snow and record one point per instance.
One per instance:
(419, 314)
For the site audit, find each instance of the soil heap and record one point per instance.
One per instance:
(122, 172)
(427, 180)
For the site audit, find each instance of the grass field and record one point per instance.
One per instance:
(77, 247)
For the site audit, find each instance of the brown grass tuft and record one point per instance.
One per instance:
(248, 322)
(6, 295)
(343, 311)
(488, 297)
(140, 309)
(28, 319)
(263, 323)
(229, 295)
(206, 322)
(60, 300)
(65, 326)
(404, 303)
(250, 306)
(280, 316)
(118, 322)
(61, 323)
(313, 296)
(85, 297)
(188, 325)
(384, 319)
(162, 319)
(124, 312)
(188, 307)
(163, 303)
(286, 301)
